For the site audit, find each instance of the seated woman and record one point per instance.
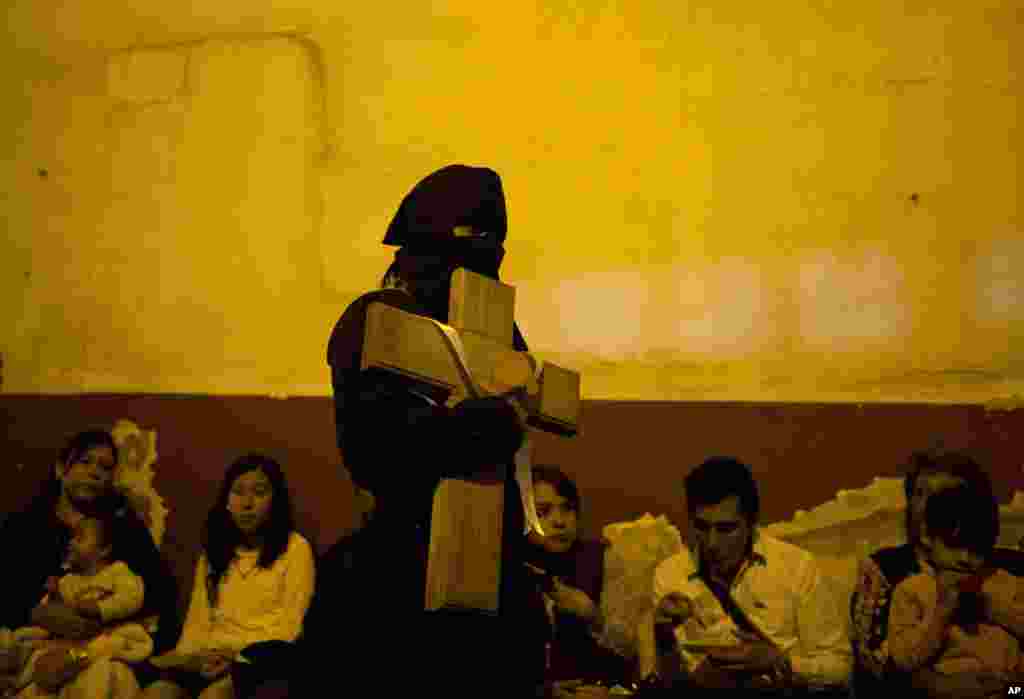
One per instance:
(940, 618)
(99, 586)
(38, 538)
(253, 585)
(568, 572)
(874, 669)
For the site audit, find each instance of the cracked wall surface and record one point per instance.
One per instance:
(728, 201)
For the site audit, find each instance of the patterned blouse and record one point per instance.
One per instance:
(870, 604)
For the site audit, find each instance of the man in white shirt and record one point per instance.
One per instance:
(741, 609)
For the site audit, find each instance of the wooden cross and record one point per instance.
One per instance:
(470, 356)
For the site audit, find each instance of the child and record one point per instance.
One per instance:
(97, 586)
(940, 618)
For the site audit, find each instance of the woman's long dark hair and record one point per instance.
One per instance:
(221, 535)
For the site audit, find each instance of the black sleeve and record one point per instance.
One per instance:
(321, 617)
(144, 559)
(34, 552)
(331, 627)
(384, 420)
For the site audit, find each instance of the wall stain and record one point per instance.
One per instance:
(324, 149)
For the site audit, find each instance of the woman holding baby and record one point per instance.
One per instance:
(91, 594)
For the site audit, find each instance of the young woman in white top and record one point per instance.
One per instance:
(253, 584)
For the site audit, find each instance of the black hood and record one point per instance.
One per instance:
(454, 196)
(454, 217)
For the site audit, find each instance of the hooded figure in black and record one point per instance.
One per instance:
(398, 440)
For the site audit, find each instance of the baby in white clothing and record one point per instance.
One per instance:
(97, 587)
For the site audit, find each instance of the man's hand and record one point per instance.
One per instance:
(65, 622)
(673, 609)
(752, 655)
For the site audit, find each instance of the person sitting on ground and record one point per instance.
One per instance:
(38, 538)
(253, 585)
(929, 472)
(100, 586)
(947, 616)
(568, 573)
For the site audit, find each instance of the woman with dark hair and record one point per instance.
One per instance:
(253, 584)
(568, 572)
(929, 472)
(37, 538)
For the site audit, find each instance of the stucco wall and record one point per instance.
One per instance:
(728, 201)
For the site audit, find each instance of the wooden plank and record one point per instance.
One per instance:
(494, 365)
(464, 561)
(409, 345)
(464, 565)
(412, 346)
(482, 305)
(559, 399)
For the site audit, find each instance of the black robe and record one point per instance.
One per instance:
(368, 612)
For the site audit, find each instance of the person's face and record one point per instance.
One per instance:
(87, 548)
(249, 500)
(481, 253)
(433, 274)
(557, 517)
(927, 484)
(721, 534)
(430, 268)
(88, 475)
(945, 556)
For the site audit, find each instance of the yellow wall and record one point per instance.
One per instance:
(705, 201)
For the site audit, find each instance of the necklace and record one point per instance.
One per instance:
(246, 563)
